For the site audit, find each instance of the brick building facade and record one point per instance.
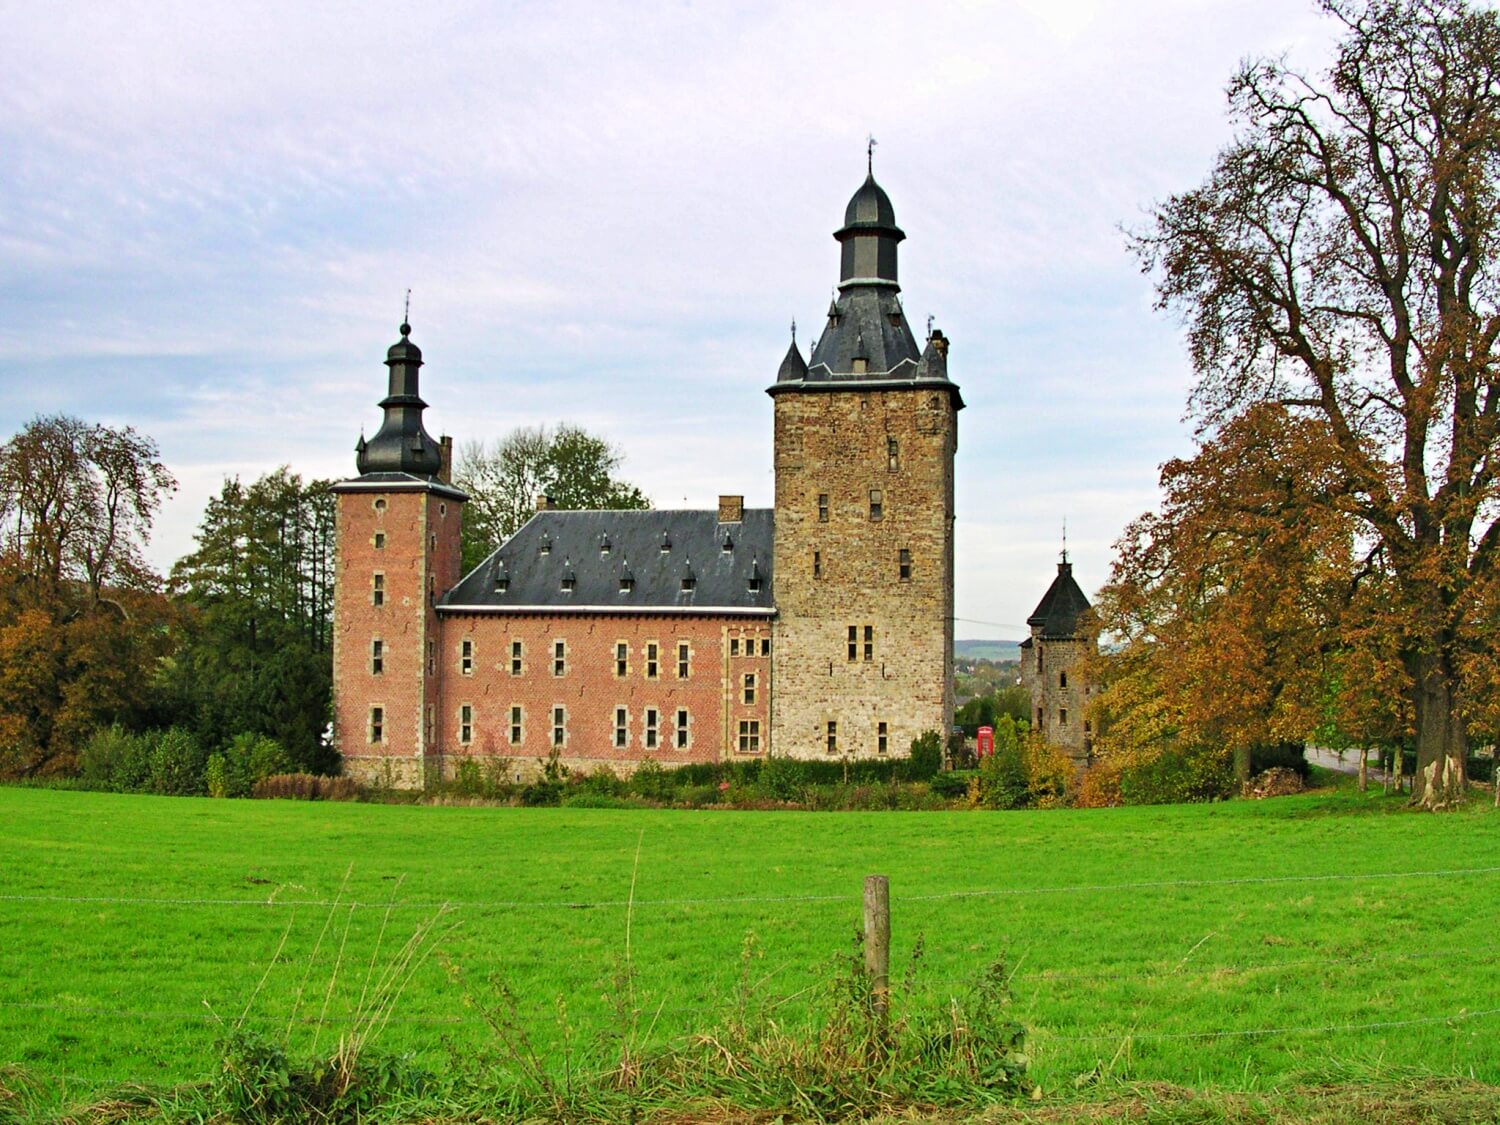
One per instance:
(821, 627)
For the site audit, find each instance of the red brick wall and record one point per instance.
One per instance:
(419, 561)
(590, 689)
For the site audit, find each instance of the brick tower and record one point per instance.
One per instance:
(398, 529)
(864, 441)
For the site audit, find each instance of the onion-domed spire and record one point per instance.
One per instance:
(402, 444)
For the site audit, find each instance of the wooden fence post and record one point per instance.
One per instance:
(878, 945)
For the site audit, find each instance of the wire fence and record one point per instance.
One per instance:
(1138, 972)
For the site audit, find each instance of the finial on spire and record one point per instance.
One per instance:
(406, 316)
(929, 326)
(1065, 540)
(870, 143)
(794, 330)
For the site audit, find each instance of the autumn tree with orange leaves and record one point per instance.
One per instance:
(82, 624)
(1234, 603)
(1342, 262)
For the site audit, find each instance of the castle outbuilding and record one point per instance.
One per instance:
(1052, 665)
(820, 627)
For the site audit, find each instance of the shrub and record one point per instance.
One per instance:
(651, 781)
(113, 758)
(1003, 779)
(784, 779)
(953, 784)
(1049, 772)
(176, 764)
(1179, 775)
(305, 787)
(926, 756)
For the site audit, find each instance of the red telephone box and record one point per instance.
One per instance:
(985, 741)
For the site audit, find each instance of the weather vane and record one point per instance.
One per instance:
(406, 311)
(794, 331)
(870, 143)
(1065, 539)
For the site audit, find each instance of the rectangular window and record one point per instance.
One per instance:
(559, 658)
(869, 643)
(466, 724)
(817, 564)
(749, 736)
(651, 662)
(380, 540)
(516, 733)
(892, 454)
(765, 646)
(882, 738)
(734, 646)
(652, 717)
(515, 658)
(622, 658)
(1062, 679)
(877, 504)
(431, 657)
(854, 642)
(622, 728)
(682, 660)
(833, 736)
(377, 657)
(377, 724)
(1062, 717)
(377, 589)
(682, 729)
(466, 658)
(903, 560)
(559, 726)
(822, 507)
(750, 687)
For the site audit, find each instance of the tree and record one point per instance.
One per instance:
(573, 467)
(256, 653)
(1340, 260)
(1228, 600)
(82, 626)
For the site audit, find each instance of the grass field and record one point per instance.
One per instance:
(1243, 946)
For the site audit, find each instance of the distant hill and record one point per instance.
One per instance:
(986, 650)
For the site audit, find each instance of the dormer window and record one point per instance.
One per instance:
(568, 582)
(754, 584)
(728, 544)
(604, 544)
(545, 547)
(666, 542)
(688, 583)
(861, 366)
(627, 583)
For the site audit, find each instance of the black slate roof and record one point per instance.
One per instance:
(1061, 606)
(626, 562)
(399, 482)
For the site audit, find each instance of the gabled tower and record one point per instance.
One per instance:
(864, 445)
(398, 553)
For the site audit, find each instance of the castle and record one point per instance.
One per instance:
(822, 627)
(1052, 666)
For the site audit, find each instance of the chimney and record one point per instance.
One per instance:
(940, 342)
(731, 509)
(445, 468)
(543, 502)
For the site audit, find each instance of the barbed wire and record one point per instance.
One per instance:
(733, 900)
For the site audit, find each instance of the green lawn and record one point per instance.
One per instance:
(1244, 946)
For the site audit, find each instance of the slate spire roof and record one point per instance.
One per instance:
(402, 445)
(1061, 606)
(867, 338)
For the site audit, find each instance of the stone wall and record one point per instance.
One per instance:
(839, 565)
(1051, 672)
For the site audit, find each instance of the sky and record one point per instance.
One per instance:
(610, 214)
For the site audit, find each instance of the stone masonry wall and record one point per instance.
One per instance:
(1060, 695)
(838, 567)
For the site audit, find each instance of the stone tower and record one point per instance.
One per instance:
(865, 435)
(398, 526)
(1062, 635)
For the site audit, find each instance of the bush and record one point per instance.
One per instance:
(953, 784)
(113, 758)
(1003, 779)
(176, 764)
(926, 756)
(1179, 775)
(305, 787)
